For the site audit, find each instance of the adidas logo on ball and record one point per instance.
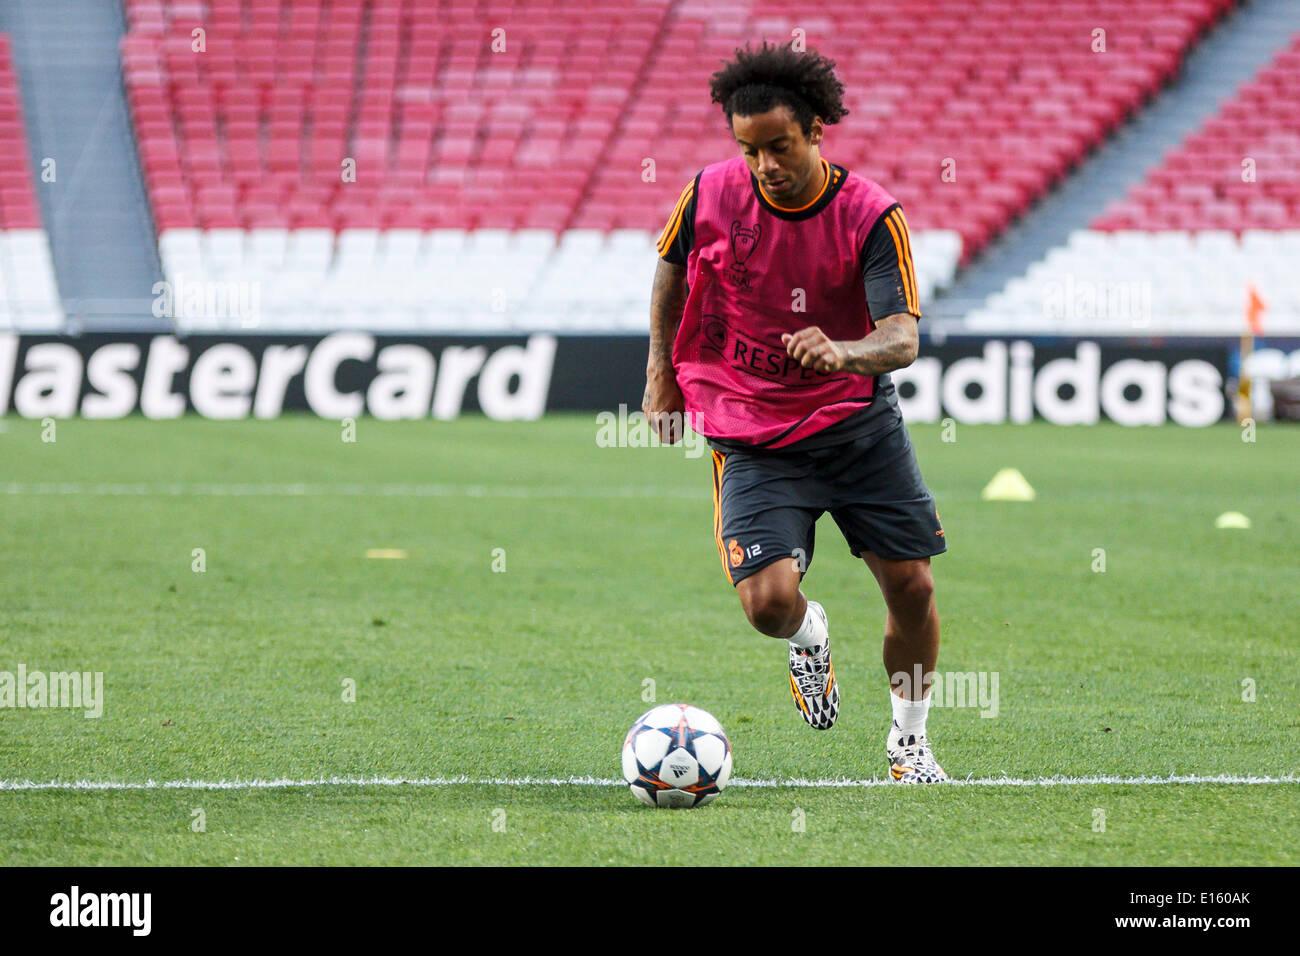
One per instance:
(676, 755)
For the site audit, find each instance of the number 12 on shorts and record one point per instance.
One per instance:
(739, 554)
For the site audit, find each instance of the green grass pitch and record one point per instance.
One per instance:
(611, 578)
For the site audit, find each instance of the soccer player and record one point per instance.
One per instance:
(784, 296)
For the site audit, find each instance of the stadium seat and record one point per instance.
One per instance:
(29, 292)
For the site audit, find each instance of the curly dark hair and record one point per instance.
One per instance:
(758, 80)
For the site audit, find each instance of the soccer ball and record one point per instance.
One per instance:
(676, 755)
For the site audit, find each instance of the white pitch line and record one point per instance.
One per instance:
(340, 490)
(285, 783)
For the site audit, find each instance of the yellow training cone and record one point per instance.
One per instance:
(390, 554)
(1008, 485)
(1232, 519)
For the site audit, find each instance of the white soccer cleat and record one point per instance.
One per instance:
(812, 682)
(910, 760)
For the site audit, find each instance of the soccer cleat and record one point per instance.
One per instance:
(812, 682)
(910, 760)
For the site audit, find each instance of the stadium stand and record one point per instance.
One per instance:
(1240, 171)
(1177, 255)
(1010, 104)
(29, 297)
(501, 181)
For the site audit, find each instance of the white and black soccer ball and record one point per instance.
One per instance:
(676, 755)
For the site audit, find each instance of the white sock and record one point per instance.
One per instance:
(910, 715)
(812, 632)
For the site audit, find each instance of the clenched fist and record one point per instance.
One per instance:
(814, 349)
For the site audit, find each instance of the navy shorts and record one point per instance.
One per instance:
(766, 505)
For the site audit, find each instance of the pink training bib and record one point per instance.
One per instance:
(754, 275)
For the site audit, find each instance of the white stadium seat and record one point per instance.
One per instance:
(311, 251)
(223, 252)
(267, 249)
(29, 291)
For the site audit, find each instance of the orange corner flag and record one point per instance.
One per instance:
(1255, 307)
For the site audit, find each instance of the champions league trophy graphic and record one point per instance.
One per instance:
(743, 242)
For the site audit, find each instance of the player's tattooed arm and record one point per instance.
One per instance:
(663, 404)
(667, 303)
(891, 345)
